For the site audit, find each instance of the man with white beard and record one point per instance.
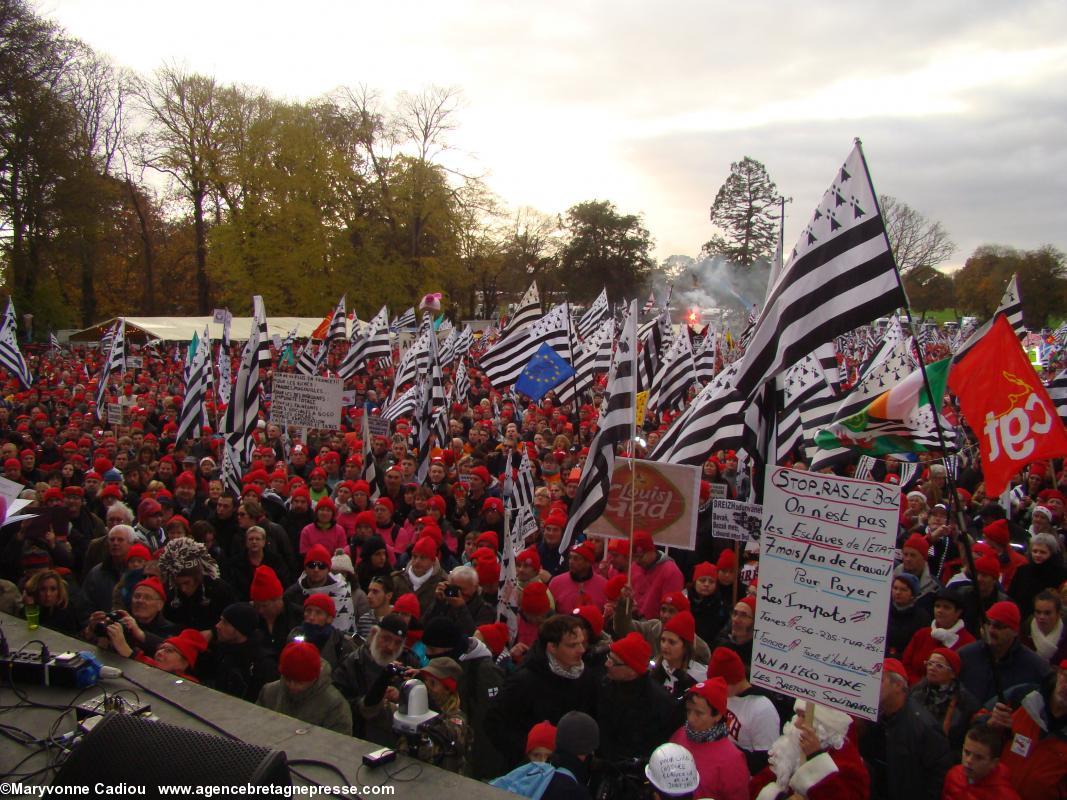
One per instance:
(814, 759)
(365, 678)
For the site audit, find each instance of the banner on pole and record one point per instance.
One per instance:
(826, 570)
(664, 497)
(306, 401)
(378, 426)
(732, 519)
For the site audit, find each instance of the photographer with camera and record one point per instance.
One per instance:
(459, 599)
(370, 678)
(445, 740)
(144, 625)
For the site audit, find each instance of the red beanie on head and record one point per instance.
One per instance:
(634, 652)
(495, 636)
(531, 556)
(951, 656)
(750, 601)
(139, 551)
(643, 542)
(714, 691)
(676, 600)
(683, 626)
(300, 661)
(988, 565)
(488, 572)
(705, 569)
(189, 643)
(535, 599)
(321, 601)
(593, 616)
(318, 552)
(543, 734)
(997, 532)
(155, 584)
(425, 547)
(1006, 613)
(586, 550)
(726, 664)
(727, 560)
(557, 519)
(265, 585)
(613, 588)
(918, 543)
(407, 604)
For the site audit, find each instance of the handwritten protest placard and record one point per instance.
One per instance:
(115, 414)
(825, 576)
(732, 519)
(306, 401)
(664, 498)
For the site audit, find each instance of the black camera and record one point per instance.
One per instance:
(394, 670)
(100, 629)
(451, 591)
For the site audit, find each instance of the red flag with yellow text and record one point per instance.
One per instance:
(1006, 406)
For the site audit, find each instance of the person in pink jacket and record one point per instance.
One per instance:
(652, 575)
(580, 585)
(723, 771)
(324, 530)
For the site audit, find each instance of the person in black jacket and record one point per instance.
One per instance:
(238, 660)
(577, 738)
(551, 681)
(191, 577)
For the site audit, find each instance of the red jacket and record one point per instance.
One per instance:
(995, 786)
(833, 775)
(1036, 760)
(920, 647)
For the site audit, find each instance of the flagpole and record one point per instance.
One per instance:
(633, 447)
(963, 538)
(570, 357)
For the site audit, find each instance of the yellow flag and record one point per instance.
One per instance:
(642, 401)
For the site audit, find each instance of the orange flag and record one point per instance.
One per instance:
(324, 326)
(1006, 406)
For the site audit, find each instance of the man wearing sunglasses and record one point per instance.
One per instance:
(317, 579)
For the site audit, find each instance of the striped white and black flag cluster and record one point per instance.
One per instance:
(197, 380)
(704, 358)
(53, 341)
(461, 383)
(670, 386)
(231, 469)
(242, 414)
(804, 384)
(402, 406)
(337, 332)
(311, 357)
(840, 275)
(506, 361)
(652, 338)
(405, 321)
(594, 315)
(10, 356)
(259, 323)
(503, 362)
(433, 413)
(115, 362)
(592, 358)
(616, 426)
(414, 362)
(378, 344)
(1057, 391)
(714, 420)
(370, 466)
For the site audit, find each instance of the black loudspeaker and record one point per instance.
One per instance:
(130, 750)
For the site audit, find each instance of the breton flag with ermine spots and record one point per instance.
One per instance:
(594, 315)
(1057, 390)
(615, 427)
(670, 387)
(461, 383)
(242, 414)
(1011, 307)
(370, 467)
(10, 356)
(259, 322)
(504, 366)
(115, 362)
(840, 275)
(591, 358)
(377, 332)
(337, 331)
(197, 380)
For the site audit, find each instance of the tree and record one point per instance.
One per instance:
(746, 211)
(603, 248)
(980, 284)
(917, 242)
(928, 289)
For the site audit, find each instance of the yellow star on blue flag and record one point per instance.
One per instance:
(545, 372)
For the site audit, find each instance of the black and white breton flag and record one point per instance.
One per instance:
(464, 342)
(591, 358)
(242, 414)
(527, 311)
(864, 468)
(378, 343)
(311, 357)
(704, 358)
(523, 491)
(356, 356)
(1057, 391)
(594, 315)
(671, 385)
(10, 356)
(414, 362)
(105, 340)
(840, 275)
(231, 469)
(652, 338)
(804, 383)
(196, 383)
(714, 420)
(370, 466)
(504, 367)
(259, 323)
(53, 341)
(461, 383)
(225, 385)
(1011, 306)
(337, 332)
(447, 351)
(406, 320)
(403, 406)
(616, 426)
(650, 303)
(114, 363)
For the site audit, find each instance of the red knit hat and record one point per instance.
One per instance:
(683, 626)
(138, 551)
(495, 636)
(997, 532)
(543, 734)
(317, 552)
(385, 501)
(705, 569)
(988, 565)
(750, 601)
(714, 691)
(265, 585)
(493, 504)
(407, 604)
(326, 502)
(488, 572)
(189, 643)
(535, 599)
(727, 560)
(486, 539)
(529, 555)
(918, 543)
(556, 519)
(155, 584)
(951, 656)
(1006, 613)
(300, 661)
(425, 547)
(676, 600)
(726, 664)
(613, 588)
(365, 518)
(895, 666)
(593, 616)
(586, 550)
(643, 542)
(634, 652)
(483, 474)
(321, 601)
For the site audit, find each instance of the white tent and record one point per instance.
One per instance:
(181, 329)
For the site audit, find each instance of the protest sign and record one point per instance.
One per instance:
(378, 426)
(664, 498)
(642, 404)
(732, 519)
(718, 491)
(348, 398)
(114, 414)
(824, 586)
(306, 401)
(134, 362)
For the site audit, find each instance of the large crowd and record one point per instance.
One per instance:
(317, 595)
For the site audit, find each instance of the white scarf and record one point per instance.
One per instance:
(416, 581)
(946, 636)
(1046, 645)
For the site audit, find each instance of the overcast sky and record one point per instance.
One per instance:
(961, 105)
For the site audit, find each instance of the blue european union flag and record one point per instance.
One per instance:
(545, 372)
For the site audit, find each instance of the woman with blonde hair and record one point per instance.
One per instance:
(48, 592)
